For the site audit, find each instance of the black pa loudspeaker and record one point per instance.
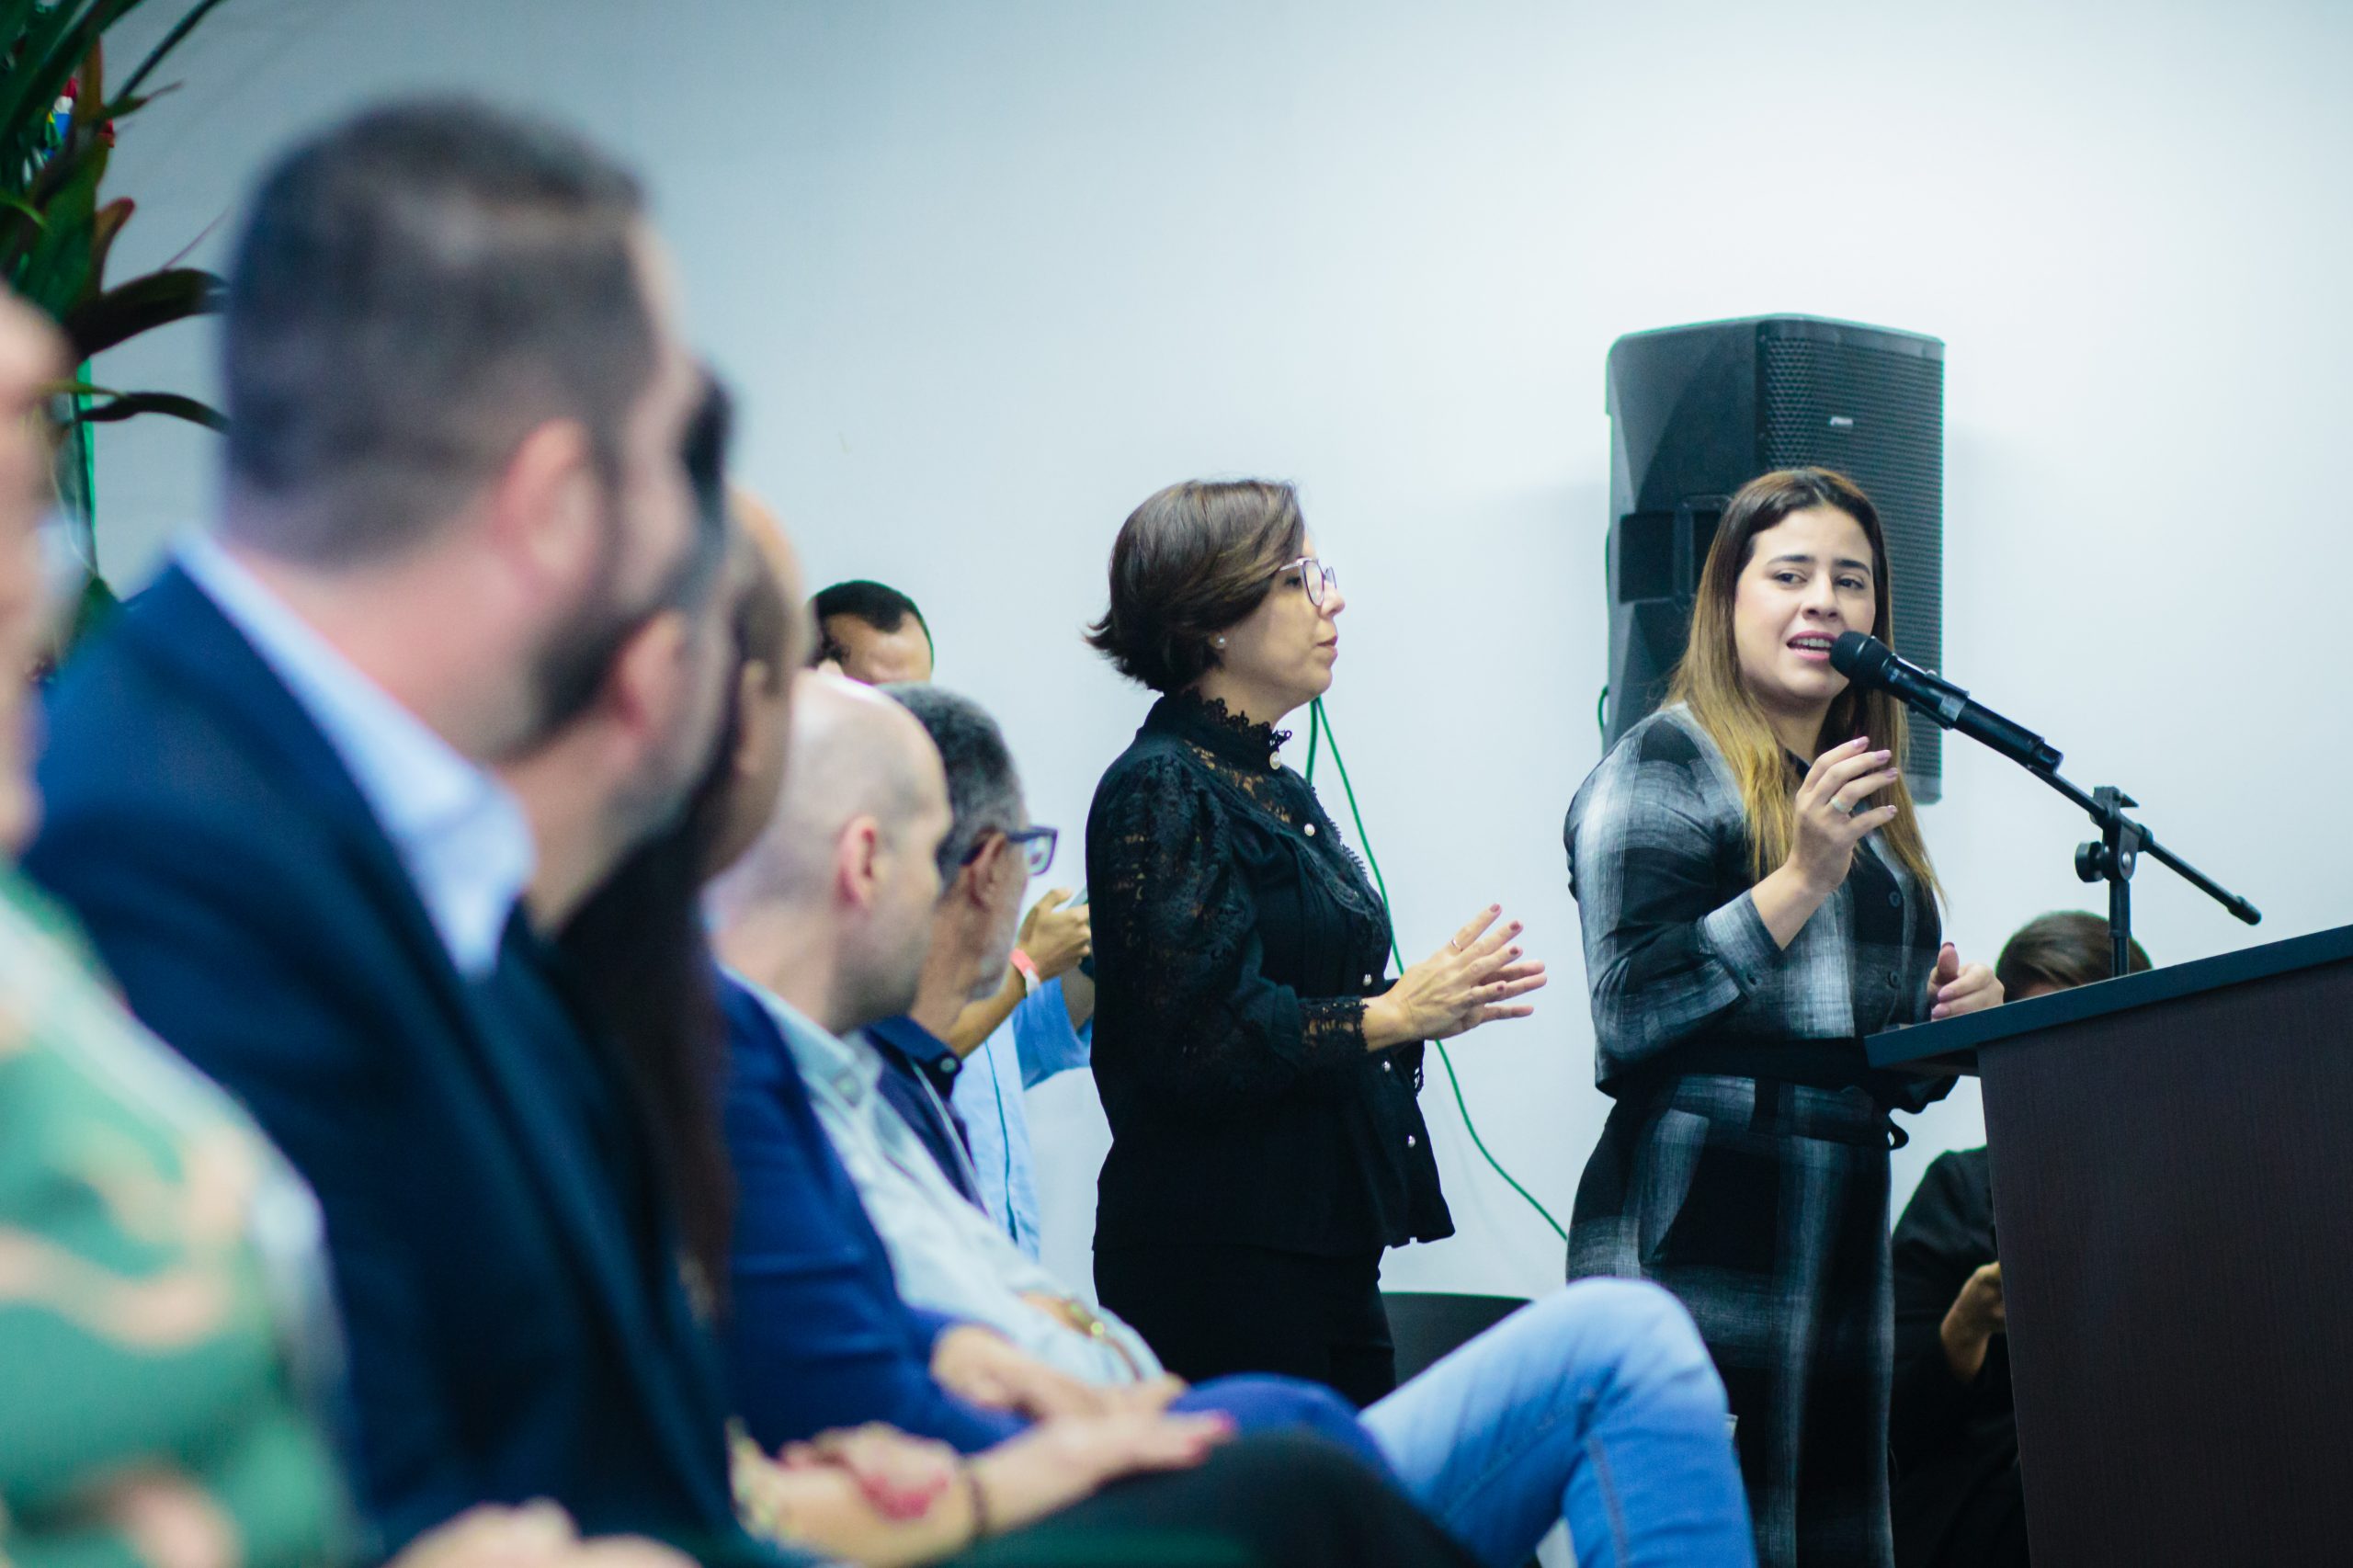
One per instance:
(1697, 412)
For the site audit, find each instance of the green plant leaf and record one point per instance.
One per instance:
(124, 311)
(18, 240)
(130, 104)
(55, 275)
(52, 44)
(171, 42)
(74, 389)
(127, 405)
(104, 224)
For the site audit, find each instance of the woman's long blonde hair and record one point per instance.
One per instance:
(1708, 679)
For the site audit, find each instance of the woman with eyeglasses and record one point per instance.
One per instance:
(1258, 1066)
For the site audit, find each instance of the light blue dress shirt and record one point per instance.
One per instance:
(458, 832)
(1034, 1043)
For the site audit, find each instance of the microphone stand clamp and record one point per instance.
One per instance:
(2112, 858)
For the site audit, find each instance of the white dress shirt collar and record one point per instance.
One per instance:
(947, 1256)
(458, 832)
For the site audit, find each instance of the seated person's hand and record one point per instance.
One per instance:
(536, 1535)
(812, 1498)
(1976, 1315)
(1055, 1463)
(901, 1475)
(1956, 988)
(982, 1366)
(1056, 934)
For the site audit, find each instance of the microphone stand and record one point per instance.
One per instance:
(2115, 854)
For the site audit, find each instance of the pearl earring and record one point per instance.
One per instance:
(1220, 641)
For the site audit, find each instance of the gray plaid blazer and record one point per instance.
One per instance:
(1684, 976)
(1745, 1166)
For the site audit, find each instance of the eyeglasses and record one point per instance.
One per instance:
(1035, 844)
(1314, 576)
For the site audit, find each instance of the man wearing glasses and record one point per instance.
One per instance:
(985, 865)
(959, 1075)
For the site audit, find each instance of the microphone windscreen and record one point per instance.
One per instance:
(1859, 658)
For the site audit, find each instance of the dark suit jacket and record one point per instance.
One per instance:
(818, 1336)
(510, 1336)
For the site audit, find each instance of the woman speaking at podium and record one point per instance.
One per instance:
(1257, 1068)
(1755, 897)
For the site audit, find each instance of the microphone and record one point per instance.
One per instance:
(1872, 665)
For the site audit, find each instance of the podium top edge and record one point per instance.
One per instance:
(1896, 1047)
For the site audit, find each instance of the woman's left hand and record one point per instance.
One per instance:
(899, 1474)
(1955, 989)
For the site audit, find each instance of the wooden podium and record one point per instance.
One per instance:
(2173, 1200)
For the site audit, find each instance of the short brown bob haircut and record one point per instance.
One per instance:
(2061, 951)
(1193, 560)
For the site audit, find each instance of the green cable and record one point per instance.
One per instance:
(1318, 722)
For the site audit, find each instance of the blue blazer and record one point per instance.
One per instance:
(817, 1335)
(509, 1336)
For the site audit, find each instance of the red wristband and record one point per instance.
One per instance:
(1030, 980)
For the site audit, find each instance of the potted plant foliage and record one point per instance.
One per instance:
(58, 122)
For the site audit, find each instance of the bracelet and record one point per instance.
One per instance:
(979, 1500)
(1030, 980)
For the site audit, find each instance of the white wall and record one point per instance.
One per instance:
(989, 273)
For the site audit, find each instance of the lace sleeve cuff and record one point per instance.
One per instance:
(1332, 1029)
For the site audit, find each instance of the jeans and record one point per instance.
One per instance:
(1596, 1405)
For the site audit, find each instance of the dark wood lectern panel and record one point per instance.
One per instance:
(2172, 1196)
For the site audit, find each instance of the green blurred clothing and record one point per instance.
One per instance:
(162, 1310)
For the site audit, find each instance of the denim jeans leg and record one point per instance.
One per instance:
(1597, 1404)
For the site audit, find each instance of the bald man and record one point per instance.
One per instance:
(822, 905)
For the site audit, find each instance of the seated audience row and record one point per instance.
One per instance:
(466, 633)
(1035, 1021)
(432, 737)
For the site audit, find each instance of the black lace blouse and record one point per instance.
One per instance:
(1236, 940)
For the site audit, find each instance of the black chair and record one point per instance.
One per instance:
(1425, 1324)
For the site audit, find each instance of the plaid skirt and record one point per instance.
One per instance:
(1763, 1206)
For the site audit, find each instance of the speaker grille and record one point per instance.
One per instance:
(1878, 417)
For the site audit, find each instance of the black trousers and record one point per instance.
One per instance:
(1278, 1500)
(1210, 1311)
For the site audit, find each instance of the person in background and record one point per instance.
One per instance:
(166, 1340)
(1259, 1067)
(1756, 896)
(1952, 1424)
(870, 632)
(1035, 1022)
(1049, 1029)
